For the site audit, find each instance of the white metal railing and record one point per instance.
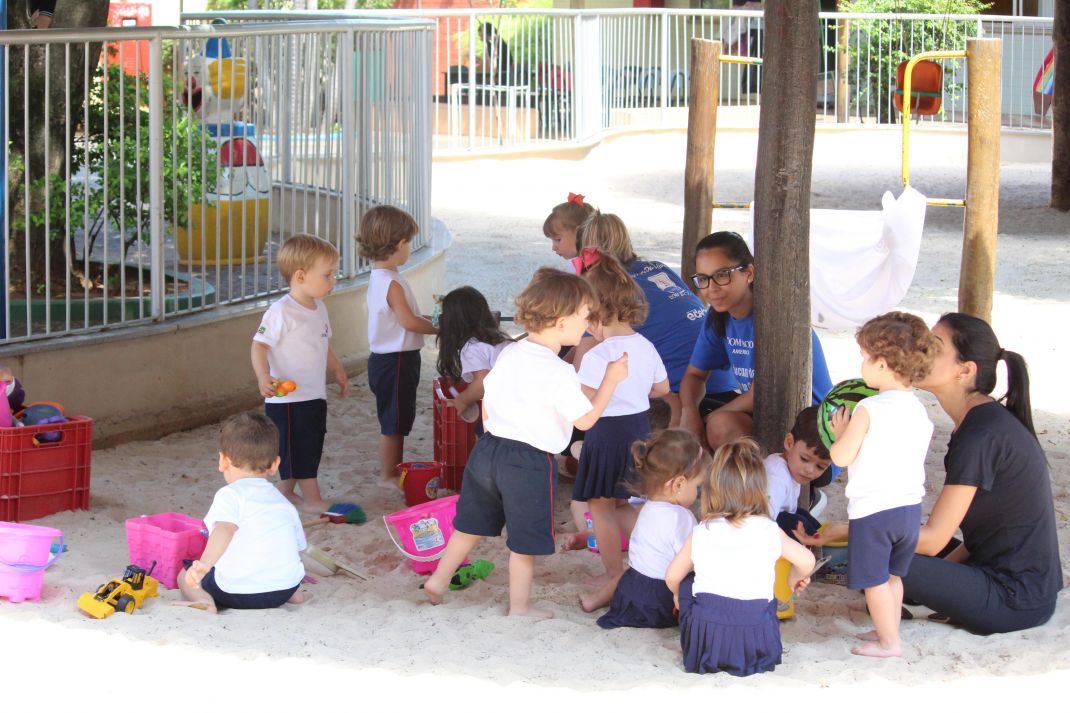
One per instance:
(570, 74)
(197, 152)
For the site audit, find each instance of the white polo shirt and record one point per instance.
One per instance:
(298, 339)
(645, 369)
(532, 396)
(385, 333)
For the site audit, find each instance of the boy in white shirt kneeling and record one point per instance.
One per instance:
(252, 559)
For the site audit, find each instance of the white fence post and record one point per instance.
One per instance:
(156, 194)
(587, 70)
(349, 151)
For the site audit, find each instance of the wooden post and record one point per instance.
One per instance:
(701, 137)
(978, 272)
(843, 88)
(782, 219)
(1060, 111)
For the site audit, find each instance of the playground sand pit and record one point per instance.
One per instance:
(378, 640)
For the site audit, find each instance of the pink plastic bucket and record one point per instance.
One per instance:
(166, 539)
(423, 531)
(24, 557)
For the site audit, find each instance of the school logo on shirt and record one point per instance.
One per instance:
(662, 280)
(262, 330)
(326, 330)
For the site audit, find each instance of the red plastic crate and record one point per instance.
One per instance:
(41, 478)
(454, 437)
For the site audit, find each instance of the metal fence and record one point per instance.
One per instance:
(524, 77)
(154, 172)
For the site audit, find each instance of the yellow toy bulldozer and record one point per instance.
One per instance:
(126, 594)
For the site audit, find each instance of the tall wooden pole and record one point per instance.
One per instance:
(1060, 110)
(782, 218)
(977, 275)
(701, 136)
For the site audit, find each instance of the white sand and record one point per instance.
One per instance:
(377, 642)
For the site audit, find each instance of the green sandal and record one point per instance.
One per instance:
(468, 573)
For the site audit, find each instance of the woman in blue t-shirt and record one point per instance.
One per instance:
(1006, 573)
(725, 277)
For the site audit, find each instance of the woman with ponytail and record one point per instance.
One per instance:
(1006, 573)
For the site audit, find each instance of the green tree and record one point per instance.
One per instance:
(876, 47)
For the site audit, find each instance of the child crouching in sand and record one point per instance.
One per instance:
(531, 401)
(252, 558)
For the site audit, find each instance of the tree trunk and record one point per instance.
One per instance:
(782, 218)
(1060, 110)
(701, 137)
(36, 121)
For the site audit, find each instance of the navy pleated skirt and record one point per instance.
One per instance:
(639, 601)
(606, 466)
(739, 637)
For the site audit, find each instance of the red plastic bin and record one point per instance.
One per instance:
(166, 538)
(39, 478)
(454, 437)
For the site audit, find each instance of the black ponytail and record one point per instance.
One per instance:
(975, 341)
(735, 247)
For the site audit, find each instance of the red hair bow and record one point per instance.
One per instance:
(575, 198)
(586, 259)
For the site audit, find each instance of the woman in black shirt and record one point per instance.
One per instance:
(1006, 573)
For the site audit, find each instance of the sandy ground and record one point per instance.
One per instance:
(378, 642)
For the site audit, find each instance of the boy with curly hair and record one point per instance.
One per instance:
(396, 331)
(884, 443)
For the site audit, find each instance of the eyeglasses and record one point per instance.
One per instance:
(721, 277)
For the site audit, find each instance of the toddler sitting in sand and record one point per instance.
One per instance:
(252, 558)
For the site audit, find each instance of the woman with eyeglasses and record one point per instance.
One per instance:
(724, 277)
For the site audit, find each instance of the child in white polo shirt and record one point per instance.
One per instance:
(293, 344)
(531, 401)
(252, 559)
(395, 331)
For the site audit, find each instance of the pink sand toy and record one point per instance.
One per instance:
(166, 538)
(24, 557)
(423, 530)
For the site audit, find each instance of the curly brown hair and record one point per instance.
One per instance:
(666, 455)
(619, 297)
(904, 342)
(382, 229)
(551, 295)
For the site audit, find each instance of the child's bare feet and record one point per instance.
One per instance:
(313, 506)
(600, 580)
(599, 598)
(529, 612)
(574, 541)
(874, 648)
(870, 635)
(434, 592)
(299, 598)
(387, 483)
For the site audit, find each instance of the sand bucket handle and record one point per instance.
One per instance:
(29, 568)
(402, 550)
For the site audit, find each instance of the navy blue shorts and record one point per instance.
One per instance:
(302, 426)
(394, 378)
(881, 544)
(509, 484)
(260, 600)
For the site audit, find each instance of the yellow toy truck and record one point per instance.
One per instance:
(126, 594)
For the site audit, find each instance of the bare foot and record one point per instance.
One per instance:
(574, 541)
(299, 598)
(873, 648)
(870, 635)
(433, 592)
(390, 484)
(295, 499)
(530, 612)
(601, 580)
(313, 506)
